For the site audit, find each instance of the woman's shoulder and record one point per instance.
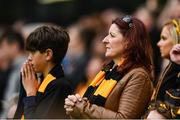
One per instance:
(139, 71)
(139, 76)
(136, 75)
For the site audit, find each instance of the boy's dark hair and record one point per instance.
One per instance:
(49, 37)
(11, 37)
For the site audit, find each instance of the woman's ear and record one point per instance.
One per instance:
(125, 44)
(49, 54)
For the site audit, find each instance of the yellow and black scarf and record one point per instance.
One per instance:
(103, 84)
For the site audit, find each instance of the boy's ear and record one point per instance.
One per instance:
(49, 54)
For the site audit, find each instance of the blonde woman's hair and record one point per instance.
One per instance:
(174, 30)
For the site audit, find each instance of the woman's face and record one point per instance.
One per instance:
(166, 43)
(114, 43)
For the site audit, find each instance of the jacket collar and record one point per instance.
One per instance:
(55, 73)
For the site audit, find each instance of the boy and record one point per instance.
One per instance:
(47, 46)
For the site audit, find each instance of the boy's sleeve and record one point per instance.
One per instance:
(47, 105)
(29, 106)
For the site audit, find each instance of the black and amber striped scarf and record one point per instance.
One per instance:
(102, 85)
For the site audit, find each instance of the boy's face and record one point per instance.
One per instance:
(38, 60)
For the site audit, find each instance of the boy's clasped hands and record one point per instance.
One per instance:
(29, 80)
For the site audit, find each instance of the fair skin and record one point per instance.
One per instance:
(165, 44)
(114, 44)
(155, 115)
(114, 49)
(37, 62)
(175, 54)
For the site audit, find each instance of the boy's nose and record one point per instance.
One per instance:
(29, 58)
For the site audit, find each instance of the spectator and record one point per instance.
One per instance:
(47, 46)
(165, 100)
(117, 90)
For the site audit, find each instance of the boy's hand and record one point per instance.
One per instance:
(29, 80)
(175, 54)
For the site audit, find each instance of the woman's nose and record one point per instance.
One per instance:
(105, 39)
(159, 43)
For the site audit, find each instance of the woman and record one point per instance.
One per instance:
(166, 97)
(117, 90)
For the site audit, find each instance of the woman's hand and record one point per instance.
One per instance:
(175, 54)
(29, 80)
(70, 102)
(155, 115)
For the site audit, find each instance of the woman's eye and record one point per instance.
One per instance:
(163, 38)
(112, 35)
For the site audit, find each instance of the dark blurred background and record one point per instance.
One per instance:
(60, 11)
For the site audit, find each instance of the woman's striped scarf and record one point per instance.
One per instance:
(103, 84)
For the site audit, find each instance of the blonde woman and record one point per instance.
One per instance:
(166, 98)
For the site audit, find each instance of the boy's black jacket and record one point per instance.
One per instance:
(49, 104)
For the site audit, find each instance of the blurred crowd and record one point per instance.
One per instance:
(85, 55)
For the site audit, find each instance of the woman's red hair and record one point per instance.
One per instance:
(138, 51)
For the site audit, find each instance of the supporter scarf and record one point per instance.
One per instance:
(102, 85)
